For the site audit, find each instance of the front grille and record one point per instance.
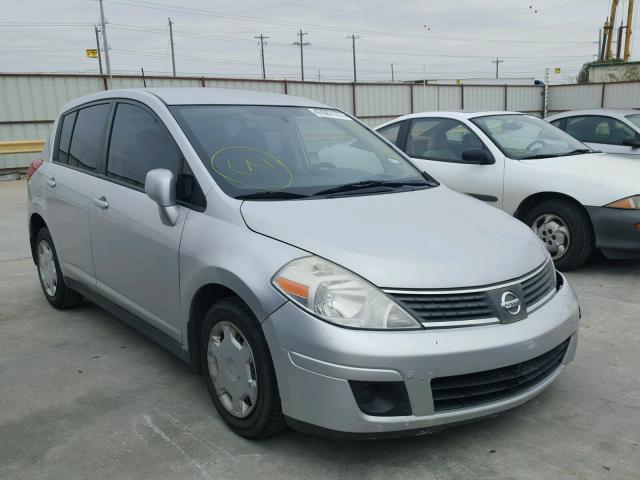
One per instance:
(447, 308)
(463, 391)
(535, 288)
(470, 306)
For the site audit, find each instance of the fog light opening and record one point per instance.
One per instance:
(637, 225)
(381, 399)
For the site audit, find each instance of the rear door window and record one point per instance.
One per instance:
(88, 137)
(64, 141)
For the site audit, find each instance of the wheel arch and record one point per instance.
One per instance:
(536, 198)
(36, 222)
(203, 299)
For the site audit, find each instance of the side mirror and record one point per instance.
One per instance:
(631, 142)
(476, 155)
(160, 186)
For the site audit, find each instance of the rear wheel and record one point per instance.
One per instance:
(238, 370)
(565, 229)
(50, 275)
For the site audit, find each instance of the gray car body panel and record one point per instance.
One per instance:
(383, 237)
(425, 239)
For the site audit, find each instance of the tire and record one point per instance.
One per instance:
(558, 212)
(51, 280)
(264, 415)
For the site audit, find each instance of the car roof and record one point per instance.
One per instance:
(458, 115)
(201, 96)
(612, 112)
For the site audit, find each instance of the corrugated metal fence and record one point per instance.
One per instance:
(30, 102)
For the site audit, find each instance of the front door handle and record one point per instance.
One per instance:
(101, 202)
(51, 181)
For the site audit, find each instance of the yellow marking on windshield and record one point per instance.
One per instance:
(224, 163)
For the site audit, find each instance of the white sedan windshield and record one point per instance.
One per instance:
(522, 137)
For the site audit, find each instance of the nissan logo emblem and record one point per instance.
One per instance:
(511, 303)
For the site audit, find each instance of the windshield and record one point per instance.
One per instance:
(523, 136)
(271, 152)
(635, 119)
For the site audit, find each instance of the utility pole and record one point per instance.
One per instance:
(300, 43)
(392, 77)
(98, 48)
(545, 107)
(173, 53)
(627, 38)
(497, 61)
(610, 27)
(262, 38)
(353, 48)
(105, 43)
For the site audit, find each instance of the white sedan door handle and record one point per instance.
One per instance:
(101, 202)
(51, 181)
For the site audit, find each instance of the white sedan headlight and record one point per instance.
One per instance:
(629, 203)
(339, 296)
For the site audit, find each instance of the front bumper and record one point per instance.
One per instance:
(616, 232)
(314, 362)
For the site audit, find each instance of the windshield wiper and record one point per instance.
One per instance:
(363, 184)
(577, 151)
(271, 195)
(539, 155)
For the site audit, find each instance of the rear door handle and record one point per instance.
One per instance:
(51, 181)
(101, 202)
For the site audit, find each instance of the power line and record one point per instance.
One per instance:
(245, 18)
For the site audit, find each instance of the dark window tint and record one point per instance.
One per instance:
(557, 123)
(597, 129)
(390, 132)
(139, 143)
(88, 136)
(441, 139)
(65, 137)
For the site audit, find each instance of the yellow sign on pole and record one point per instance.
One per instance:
(557, 70)
(92, 52)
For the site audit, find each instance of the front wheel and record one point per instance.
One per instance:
(238, 370)
(565, 229)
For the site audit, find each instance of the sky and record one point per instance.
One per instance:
(422, 38)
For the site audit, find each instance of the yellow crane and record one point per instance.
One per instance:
(608, 28)
(627, 37)
(610, 25)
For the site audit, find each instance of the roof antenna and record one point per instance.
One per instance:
(144, 80)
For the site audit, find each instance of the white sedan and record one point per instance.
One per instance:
(610, 130)
(575, 199)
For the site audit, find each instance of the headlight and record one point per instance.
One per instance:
(338, 296)
(629, 203)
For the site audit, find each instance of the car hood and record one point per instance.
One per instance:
(621, 170)
(432, 238)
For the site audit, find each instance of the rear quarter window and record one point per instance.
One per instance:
(88, 136)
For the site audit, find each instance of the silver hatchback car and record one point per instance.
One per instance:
(298, 260)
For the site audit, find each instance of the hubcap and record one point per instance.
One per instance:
(554, 233)
(47, 268)
(232, 369)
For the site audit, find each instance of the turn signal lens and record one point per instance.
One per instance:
(339, 296)
(629, 203)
